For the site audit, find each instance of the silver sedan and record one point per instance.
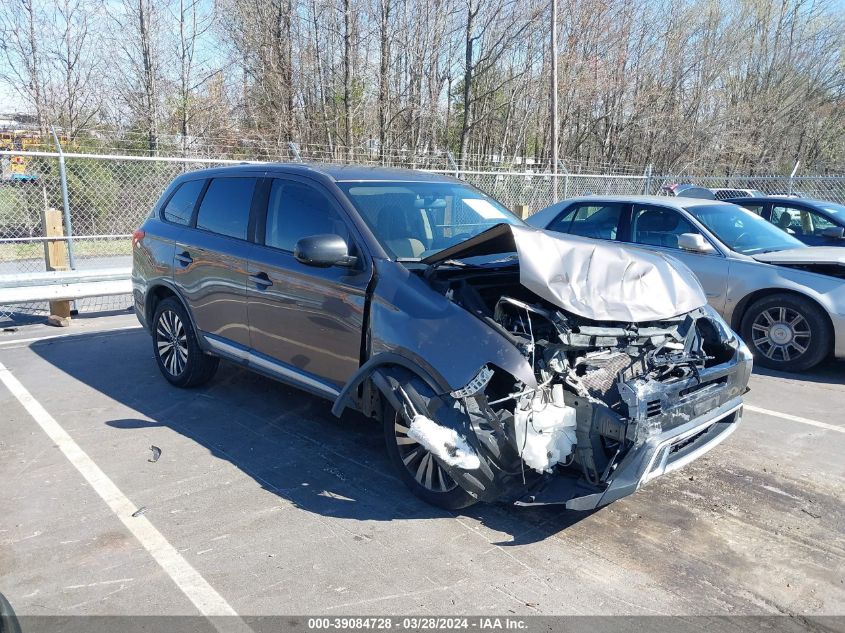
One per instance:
(786, 299)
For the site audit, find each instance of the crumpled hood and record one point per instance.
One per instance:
(593, 279)
(810, 255)
(602, 281)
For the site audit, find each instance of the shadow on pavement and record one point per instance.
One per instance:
(286, 440)
(830, 372)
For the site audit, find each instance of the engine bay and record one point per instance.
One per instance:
(602, 387)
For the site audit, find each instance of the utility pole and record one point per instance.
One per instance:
(553, 101)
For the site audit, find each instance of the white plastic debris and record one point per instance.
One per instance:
(545, 430)
(444, 443)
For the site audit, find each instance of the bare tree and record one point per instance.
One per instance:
(22, 25)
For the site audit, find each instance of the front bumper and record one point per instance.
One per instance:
(665, 453)
(692, 423)
(660, 454)
(838, 321)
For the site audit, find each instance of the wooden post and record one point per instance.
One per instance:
(522, 211)
(55, 257)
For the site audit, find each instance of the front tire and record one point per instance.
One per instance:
(177, 353)
(418, 469)
(786, 332)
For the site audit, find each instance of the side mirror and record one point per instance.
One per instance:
(694, 242)
(834, 232)
(323, 251)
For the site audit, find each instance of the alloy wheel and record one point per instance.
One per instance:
(419, 462)
(172, 342)
(781, 334)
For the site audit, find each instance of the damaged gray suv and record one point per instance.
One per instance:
(504, 363)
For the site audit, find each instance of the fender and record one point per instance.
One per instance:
(435, 381)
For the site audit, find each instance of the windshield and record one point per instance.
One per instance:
(836, 210)
(741, 230)
(412, 220)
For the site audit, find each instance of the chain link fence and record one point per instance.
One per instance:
(108, 196)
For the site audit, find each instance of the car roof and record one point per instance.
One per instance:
(677, 202)
(334, 172)
(810, 202)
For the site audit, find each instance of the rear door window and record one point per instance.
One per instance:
(596, 220)
(225, 207)
(659, 226)
(180, 208)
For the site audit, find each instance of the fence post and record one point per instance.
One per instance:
(792, 175)
(55, 258)
(65, 202)
(648, 171)
(452, 162)
(294, 149)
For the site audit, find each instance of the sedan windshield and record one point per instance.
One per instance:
(412, 220)
(836, 210)
(741, 230)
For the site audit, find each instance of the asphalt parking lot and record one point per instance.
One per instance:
(263, 503)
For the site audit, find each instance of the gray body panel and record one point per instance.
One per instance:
(309, 328)
(370, 329)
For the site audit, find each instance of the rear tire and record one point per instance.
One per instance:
(786, 332)
(178, 354)
(418, 469)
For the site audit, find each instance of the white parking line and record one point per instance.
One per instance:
(204, 597)
(795, 418)
(24, 341)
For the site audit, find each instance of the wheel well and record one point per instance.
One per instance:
(155, 296)
(747, 301)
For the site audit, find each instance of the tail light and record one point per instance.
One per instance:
(137, 236)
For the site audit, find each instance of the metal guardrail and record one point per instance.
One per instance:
(59, 285)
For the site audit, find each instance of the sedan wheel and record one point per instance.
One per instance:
(781, 334)
(786, 332)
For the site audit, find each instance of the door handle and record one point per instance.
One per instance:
(184, 258)
(262, 280)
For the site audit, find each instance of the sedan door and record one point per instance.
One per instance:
(210, 262)
(658, 228)
(306, 322)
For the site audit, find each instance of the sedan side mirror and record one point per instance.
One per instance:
(323, 251)
(694, 242)
(834, 232)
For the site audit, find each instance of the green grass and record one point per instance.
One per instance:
(14, 251)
